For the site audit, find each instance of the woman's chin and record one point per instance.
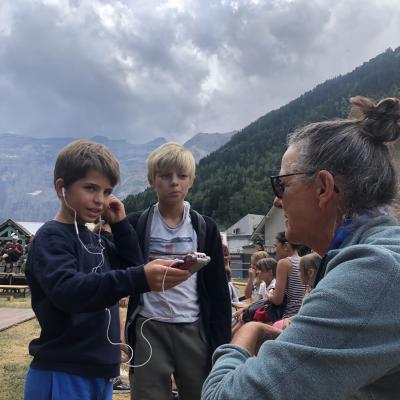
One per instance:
(291, 236)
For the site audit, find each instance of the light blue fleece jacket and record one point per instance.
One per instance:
(345, 341)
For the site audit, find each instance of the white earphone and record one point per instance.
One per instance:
(98, 268)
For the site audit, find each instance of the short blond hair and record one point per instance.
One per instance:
(170, 157)
(257, 256)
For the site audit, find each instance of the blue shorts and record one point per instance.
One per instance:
(53, 385)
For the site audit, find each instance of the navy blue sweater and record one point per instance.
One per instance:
(69, 299)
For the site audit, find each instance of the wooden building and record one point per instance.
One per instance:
(23, 230)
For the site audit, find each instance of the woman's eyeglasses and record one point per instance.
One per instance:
(278, 186)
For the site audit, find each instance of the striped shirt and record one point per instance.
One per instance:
(295, 290)
(180, 303)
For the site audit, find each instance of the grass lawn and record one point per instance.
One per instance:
(15, 302)
(14, 360)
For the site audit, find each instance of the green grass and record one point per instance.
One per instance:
(15, 302)
(15, 359)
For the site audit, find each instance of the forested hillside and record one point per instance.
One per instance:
(234, 180)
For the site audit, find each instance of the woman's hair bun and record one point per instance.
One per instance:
(381, 121)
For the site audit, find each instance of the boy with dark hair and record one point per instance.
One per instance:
(190, 321)
(76, 279)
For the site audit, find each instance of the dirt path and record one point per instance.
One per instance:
(13, 316)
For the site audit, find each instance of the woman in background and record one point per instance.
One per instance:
(288, 287)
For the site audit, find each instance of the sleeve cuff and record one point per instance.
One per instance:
(140, 282)
(121, 228)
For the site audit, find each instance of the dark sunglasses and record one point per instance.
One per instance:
(278, 186)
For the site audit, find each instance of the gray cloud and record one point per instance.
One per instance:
(142, 69)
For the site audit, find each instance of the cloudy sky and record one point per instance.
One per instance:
(141, 69)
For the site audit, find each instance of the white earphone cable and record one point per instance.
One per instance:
(96, 269)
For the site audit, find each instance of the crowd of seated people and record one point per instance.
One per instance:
(13, 255)
(282, 286)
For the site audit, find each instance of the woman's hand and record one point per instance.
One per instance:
(253, 334)
(286, 322)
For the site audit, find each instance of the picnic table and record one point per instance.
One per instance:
(15, 289)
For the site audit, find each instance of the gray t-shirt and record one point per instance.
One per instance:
(180, 303)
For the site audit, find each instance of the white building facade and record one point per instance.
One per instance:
(240, 233)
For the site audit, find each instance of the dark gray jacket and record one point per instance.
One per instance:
(212, 285)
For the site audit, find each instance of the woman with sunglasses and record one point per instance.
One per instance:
(336, 181)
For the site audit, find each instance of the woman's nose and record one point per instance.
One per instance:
(277, 202)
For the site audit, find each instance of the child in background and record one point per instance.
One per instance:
(259, 246)
(265, 272)
(308, 267)
(76, 279)
(253, 283)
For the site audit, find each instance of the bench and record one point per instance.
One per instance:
(12, 278)
(15, 288)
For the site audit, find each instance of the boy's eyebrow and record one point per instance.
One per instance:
(97, 185)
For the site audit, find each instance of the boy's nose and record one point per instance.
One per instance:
(174, 179)
(99, 198)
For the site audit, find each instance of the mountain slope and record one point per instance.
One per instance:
(26, 168)
(234, 180)
(202, 144)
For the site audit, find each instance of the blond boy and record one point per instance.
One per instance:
(191, 320)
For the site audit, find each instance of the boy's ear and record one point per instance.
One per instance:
(58, 186)
(150, 179)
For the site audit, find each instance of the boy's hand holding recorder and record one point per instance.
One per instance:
(156, 274)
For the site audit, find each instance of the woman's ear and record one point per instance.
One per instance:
(325, 187)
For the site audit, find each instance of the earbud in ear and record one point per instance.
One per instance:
(63, 191)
